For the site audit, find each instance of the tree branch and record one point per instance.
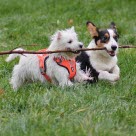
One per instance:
(58, 51)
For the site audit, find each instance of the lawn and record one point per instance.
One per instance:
(37, 109)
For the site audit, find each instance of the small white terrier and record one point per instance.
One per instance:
(29, 65)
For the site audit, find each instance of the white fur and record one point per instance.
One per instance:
(105, 64)
(28, 67)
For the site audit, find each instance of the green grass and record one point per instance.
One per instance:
(84, 110)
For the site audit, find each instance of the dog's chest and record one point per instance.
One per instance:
(103, 64)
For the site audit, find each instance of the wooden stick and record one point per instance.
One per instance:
(58, 51)
(127, 46)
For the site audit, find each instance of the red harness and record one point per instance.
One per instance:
(70, 65)
(42, 60)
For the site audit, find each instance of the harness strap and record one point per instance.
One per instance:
(42, 64)
(70, 65)
(44, 72)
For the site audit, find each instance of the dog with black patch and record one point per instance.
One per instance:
(101, 64)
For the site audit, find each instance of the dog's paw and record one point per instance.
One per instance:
(69, 83)
(90, 80)
(94, 80)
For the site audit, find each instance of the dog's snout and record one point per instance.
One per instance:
(80, 45)
(113, 47)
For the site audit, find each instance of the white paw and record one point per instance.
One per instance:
(117, 78)
(66, 84)
(87, 77)
(87, 72)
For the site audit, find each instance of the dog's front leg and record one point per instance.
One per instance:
(66, 83)
(62, 77)
(113, 76)
(81, 76)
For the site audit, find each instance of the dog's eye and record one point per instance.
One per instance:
(105, 39)
(70, 41)
(116, 38)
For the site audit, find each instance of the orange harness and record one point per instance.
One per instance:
(42, 64)
(70, 65)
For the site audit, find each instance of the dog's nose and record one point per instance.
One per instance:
(113, 47)
(80, 45)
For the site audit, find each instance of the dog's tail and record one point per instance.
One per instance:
(13, 56)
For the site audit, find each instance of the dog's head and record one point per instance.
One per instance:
(66, 40)
(107, 38)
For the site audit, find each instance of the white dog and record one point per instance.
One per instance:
(58, 68)
(101, 64)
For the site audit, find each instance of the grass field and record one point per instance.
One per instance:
(84, 110)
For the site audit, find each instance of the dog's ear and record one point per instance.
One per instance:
(92, 29)
(73, 29)
(113, 26)
(59, 35)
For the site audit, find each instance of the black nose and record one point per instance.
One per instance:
(80, 46)
(114, 47)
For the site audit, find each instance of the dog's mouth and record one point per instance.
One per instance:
(72, 51)
(111, 53)
(76, 52)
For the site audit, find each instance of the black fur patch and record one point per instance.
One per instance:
(83, 58)
(114, 28)
(45, 67)
(103, 36)
(116, 37)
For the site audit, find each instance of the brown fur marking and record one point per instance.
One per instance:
(92, 29)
